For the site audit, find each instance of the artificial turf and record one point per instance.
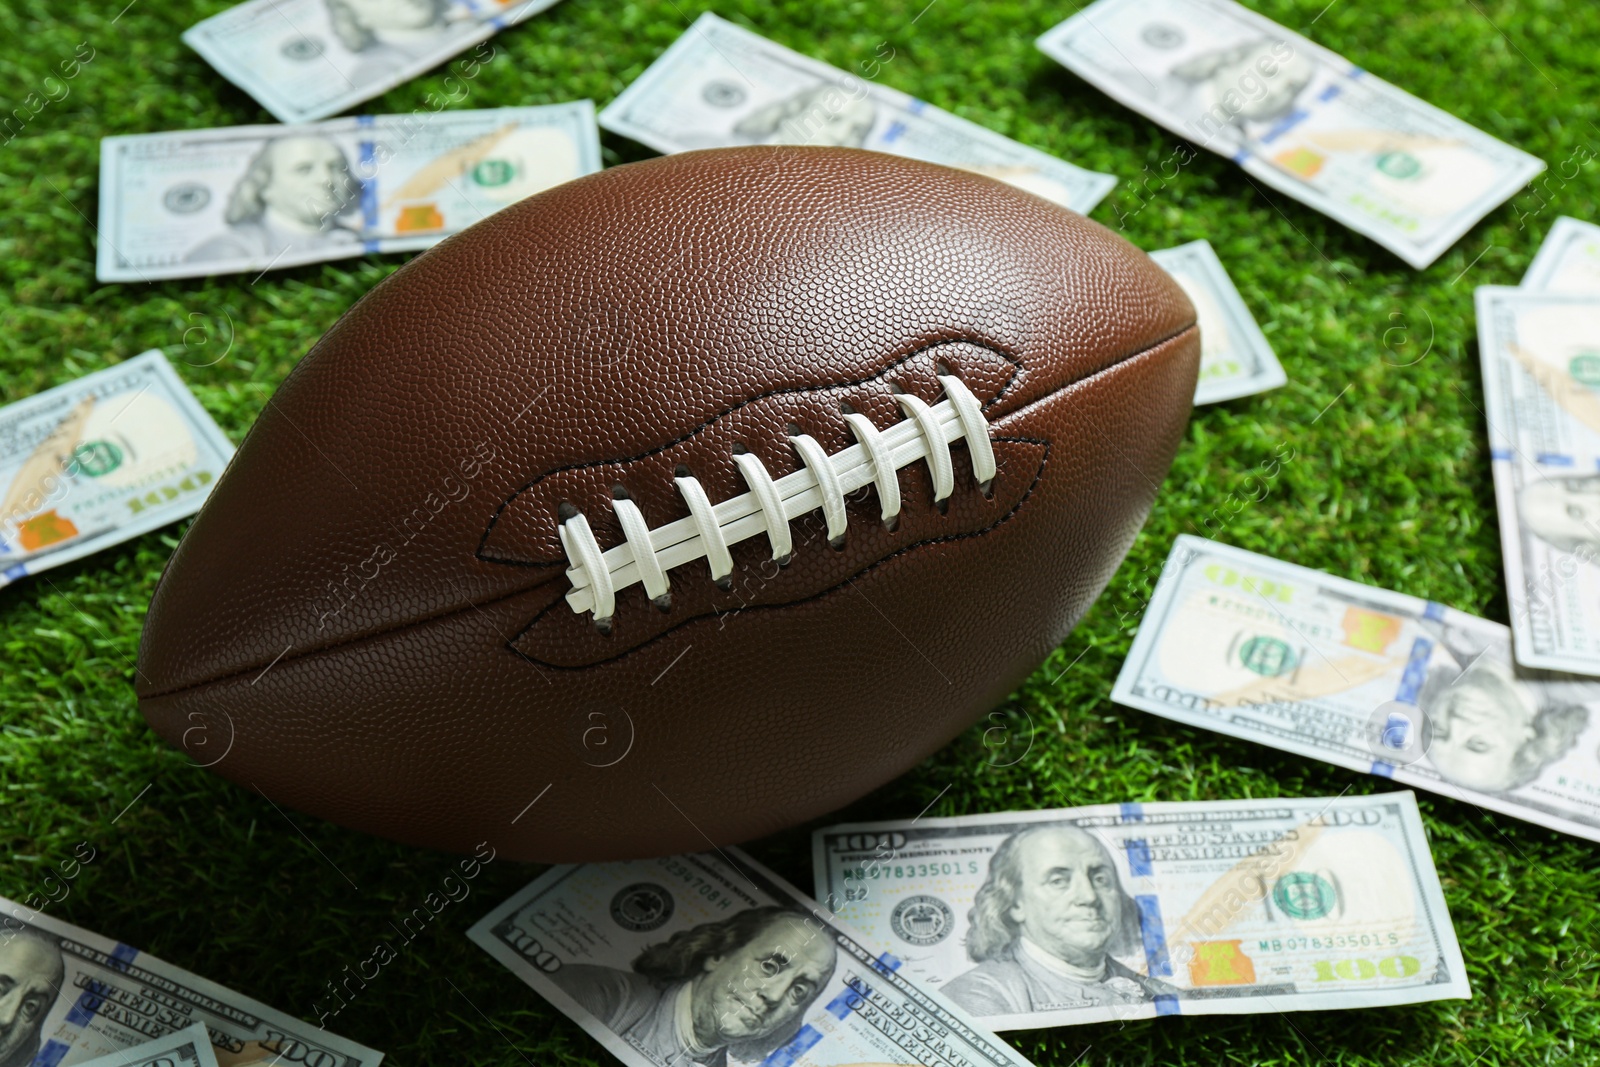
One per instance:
(1389, 486)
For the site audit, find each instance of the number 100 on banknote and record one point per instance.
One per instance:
(1126, 911)
(1367, 679)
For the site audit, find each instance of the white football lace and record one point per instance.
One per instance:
(823, 481)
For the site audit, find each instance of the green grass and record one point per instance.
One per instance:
(1391, 486)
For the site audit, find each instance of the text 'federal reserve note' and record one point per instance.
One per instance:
(1051, 918)
(1367, 679)
(77, 997)
(253, 198)
(98, 461)
(711, 959)
(1235, 358)
(720, 85)
(1295, 116)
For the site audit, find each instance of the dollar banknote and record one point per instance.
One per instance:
(254, 198)
(1296, 117)
(1367, 679)
(189, 1047)
(1128, 911)
(1568, 261)
(74, 996)
(1235, 359)
(1541, 386)
(308, 59)
(721, 85)
(712, 959)
(98, 461)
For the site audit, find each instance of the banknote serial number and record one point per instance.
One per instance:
(701, 885)
(910, 870)
(1291, 944)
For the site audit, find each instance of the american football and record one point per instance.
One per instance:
(673, 506)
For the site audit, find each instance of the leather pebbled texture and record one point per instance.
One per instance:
(371, 606)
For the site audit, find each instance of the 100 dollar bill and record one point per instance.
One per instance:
(721, 85)
(711, 958)
(98, 461)
(1367, 679)
(1568, 260)
(189, 1047)
(308, 59)
(1235, 359)
(76, 996)
(1296, 116)
(252, 198)
(1051, 918)
(1541, 386)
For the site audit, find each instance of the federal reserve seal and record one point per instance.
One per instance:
(642, 907)
(186, 198)
(921, 920)
(301, 49)
(1162, 35)
(722, 94)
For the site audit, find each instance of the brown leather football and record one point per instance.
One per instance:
(673, 506)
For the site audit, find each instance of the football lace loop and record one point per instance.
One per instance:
(823, 481)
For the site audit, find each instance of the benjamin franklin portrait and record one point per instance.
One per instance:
(1239, 89)
(31, 976)
(1564, 513)
(738, 986)
(363, 24)
(826, 116)
(1489, 729)
(290, 199)
(388, 35)
(1046, 927)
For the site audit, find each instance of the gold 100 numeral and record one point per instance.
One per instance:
(1356, 970)
(168, 493)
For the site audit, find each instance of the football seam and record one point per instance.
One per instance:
(869, 568)
(1016, 368)
(462, 609)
